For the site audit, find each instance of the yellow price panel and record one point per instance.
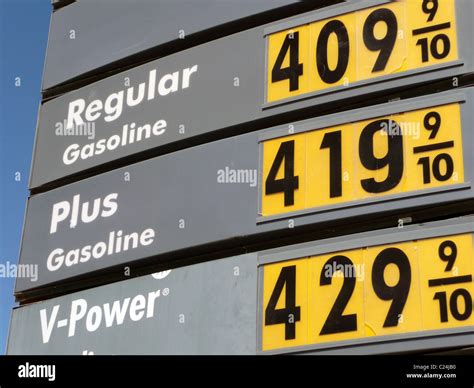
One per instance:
(363, 45)
(396, 154)
(399, 288)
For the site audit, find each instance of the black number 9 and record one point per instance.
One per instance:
(387, 43)
(434, 126)
(393, 159)
(430, 10)
(450, 257)
(397, 293)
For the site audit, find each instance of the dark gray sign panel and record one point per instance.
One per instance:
(90, 34)
(394, 157)
(238, 83)
(223, 306)
(208, 308)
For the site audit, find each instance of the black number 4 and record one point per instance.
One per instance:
(295, 70)
(290, 314)
(290, 182)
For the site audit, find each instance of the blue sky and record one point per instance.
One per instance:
(23, 37)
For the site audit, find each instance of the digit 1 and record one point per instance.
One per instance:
(273, 316)
(290, 182)
(449, 258)
(397, 293)
(295, 69)
(332, 141)
(430, 11)
(425, 164)
(443, 306)
(393, 159)
(425, 55)
(386, 44)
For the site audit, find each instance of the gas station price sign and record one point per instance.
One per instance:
(394, 155)
(369, 292)
(363, 46)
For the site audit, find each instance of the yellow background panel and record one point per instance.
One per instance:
(318, 167)
(275, 203)
(312, 163)
(316, 83)
(273, 336)
(420, 313)
(406, 54)
(366, 58)
(376, 309)
(432, 267)
(322, 297)
(281, 89)
(418, 19)
(450, 130)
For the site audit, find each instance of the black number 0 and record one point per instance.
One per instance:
(327, 75)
